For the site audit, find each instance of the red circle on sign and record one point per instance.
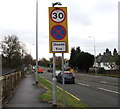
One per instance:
(60, 10)
(58, 32)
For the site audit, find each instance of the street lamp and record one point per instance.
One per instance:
(57, 3)
(94, 52)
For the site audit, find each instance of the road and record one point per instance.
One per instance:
(92, 93)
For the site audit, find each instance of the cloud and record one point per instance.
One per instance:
(106, 6)
(98, 18)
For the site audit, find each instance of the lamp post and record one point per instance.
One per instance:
(36, 41)
(94, 52)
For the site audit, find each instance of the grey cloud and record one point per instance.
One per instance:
(81, 18)
(105, 6)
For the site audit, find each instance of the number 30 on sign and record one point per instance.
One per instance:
(58, 15)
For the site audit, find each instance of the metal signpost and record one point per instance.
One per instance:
(58, 39)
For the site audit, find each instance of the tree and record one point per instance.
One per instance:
(110, 60)
(16, 60)
(108, 52)
(115, 52)
(11, 52)
(80, 60)
(72, 58)
(58, 61)
(43, 62)
(118, 62)
(110, 63)
(78, 50)
(27, 59)
(84, 61)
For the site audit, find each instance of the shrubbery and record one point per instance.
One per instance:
(101, 71)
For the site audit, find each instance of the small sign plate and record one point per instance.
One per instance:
(58, 46)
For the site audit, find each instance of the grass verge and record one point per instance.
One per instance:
(70, 100)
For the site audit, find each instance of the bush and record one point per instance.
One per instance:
(101, 70)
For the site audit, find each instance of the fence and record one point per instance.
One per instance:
(8, 84)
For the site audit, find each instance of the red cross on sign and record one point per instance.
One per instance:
(58, 32)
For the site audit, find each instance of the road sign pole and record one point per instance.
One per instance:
(58, 38)
(54, 83)
(63, 80)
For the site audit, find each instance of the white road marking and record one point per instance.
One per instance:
(103, 82)
(108, 90)
(83, 84)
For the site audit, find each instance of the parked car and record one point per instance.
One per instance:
(68, 77)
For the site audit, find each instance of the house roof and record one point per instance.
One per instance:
(104, 58)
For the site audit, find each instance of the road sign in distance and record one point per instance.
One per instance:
(57, 15)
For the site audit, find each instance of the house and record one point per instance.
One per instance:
(107, 61)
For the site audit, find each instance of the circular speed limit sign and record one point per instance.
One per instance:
(58, 15)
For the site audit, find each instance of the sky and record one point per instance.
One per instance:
(87, 20)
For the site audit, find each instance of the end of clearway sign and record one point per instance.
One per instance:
(58, 31)
(58, 46)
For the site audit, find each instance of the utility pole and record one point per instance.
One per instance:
(94, 53)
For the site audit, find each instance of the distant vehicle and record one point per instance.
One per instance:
(57, 72)
(68, 77)
(40, 70)
(34, 68)
(50, 70)
(72, 70)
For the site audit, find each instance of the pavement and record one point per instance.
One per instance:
(26, 95)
